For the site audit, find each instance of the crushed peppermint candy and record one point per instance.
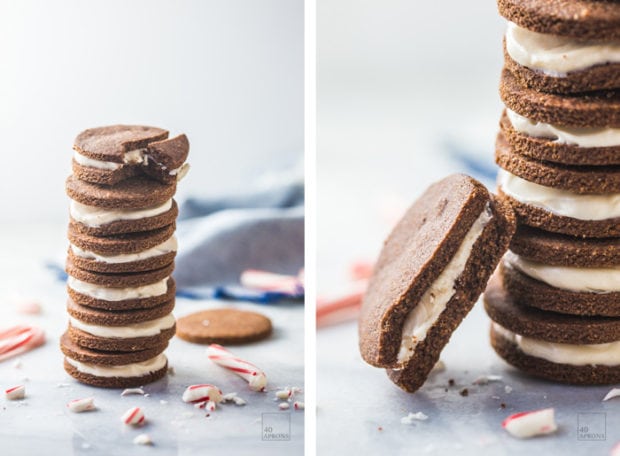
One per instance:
(411, 417)
(133, 417)
(143, 439)
(508, 389)
(486, 379)
(128, 391)
(298, 405)
(81, 405)
(283, 405)
(614, 392)
(15, 393)
(529, 424)
(232, 397)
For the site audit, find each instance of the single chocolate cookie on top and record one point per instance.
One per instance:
(430, 272)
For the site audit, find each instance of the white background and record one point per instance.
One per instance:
(229, 74)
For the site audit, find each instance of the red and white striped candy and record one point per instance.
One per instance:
(268, 281)
(19, 339)
(133, 417)
(15, 393)
(299, 405)
(529, 424)
(256, 378)
(202, 393)
(81, 405)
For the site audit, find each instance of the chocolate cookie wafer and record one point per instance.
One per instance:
(430, 272)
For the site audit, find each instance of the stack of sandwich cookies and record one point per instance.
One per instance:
(121, 254)
(555, 302)
(431, 271)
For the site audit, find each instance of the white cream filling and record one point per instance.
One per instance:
(560, 202)
(126, 370)
(165, 247)
(144, 329)
(582, 137)
(118, 294)
(92, 163)
(594, 280)
(556, 55)
(577, 355)
(435, 299)
(97, 216)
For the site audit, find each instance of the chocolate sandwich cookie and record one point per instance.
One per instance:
(223, 326)
(121, 243)
(135, 252)
(136, 336)
(125, 280)
(113, 370)
(583, 19)
(576, 179)
(103, 222)
(561, 211)
(562, 273)
(109, 155)
(559, 145)
(430, 272)
(601, 76)
(120, 299)
(591, 110)
(563, 348)
(118, 317)
(136, 193)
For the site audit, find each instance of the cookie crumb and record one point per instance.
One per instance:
(464, 392)
(451, 382)
(502, 405)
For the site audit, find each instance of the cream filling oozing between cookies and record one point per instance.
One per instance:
(125, 370)
(98, 216)
(581, 137)
(560, 202)
(434, 301)
(165, 247)
(144, 329)
(556, 55)
(133, 157)
(118, 294)
(607, 354)
(593, 280)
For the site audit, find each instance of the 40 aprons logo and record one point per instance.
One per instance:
(276, 426)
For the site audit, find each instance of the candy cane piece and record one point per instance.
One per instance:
(268, 281)
(299, 405)
(19, 339)
(133, 417)
(202, 393)
(81, 405)
(256, 378)
(15, 393)
(529, 424)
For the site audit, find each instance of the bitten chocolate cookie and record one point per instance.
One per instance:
(109, 155)
(136, 193)
(119, 299)
(223, 326)
(563, 348)
(577, 179)
(549, 149)
(561, 211)
(583, 19)
(596, 109)
(430, 272)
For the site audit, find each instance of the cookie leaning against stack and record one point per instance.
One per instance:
(121, 254)
(555, 301)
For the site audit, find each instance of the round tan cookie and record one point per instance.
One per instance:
(223, 326)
